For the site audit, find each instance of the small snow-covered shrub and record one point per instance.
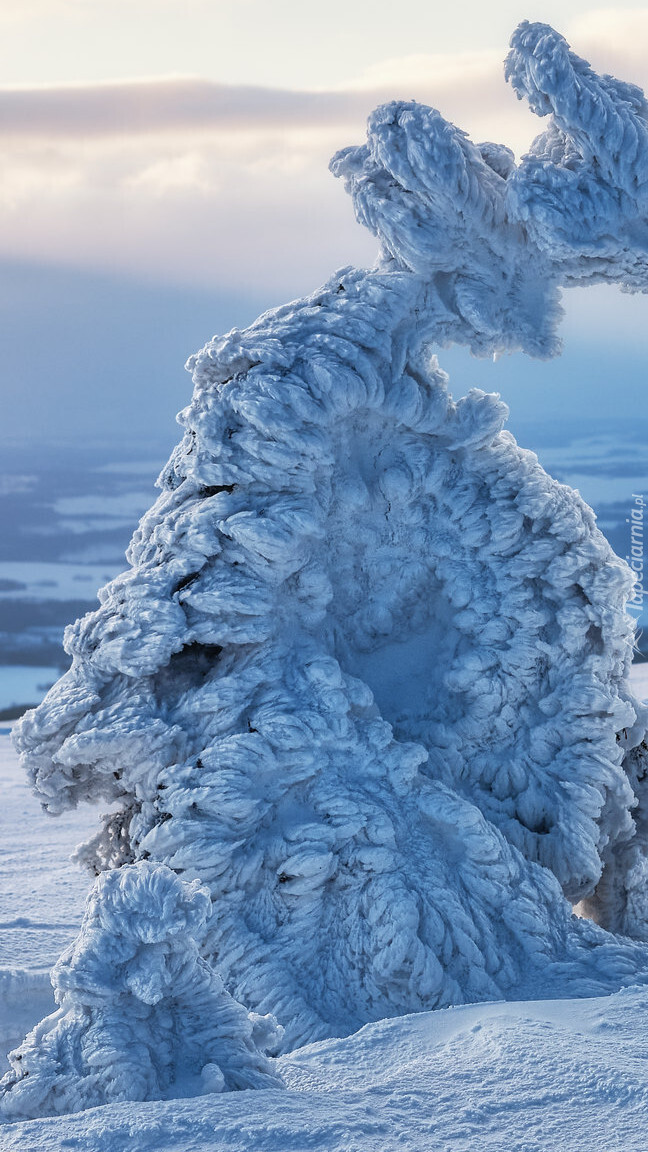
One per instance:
(141, 1016)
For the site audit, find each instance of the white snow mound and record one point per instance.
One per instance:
(141, 1015)
(530, 1077)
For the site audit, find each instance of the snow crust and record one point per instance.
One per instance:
(366, 677)
(141, 1015)
(531, 1076)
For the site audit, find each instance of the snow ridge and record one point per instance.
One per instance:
(367, 675)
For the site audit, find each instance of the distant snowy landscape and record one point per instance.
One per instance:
(66, 518)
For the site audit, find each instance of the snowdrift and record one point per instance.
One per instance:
(497, 1077)
(141, 1016)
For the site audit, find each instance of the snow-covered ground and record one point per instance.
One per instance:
(41, 896)
(530, 1077)
(521, 1077)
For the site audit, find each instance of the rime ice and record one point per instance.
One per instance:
(366, 677)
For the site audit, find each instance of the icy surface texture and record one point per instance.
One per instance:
(142, 1016)
(367, 675)
(505, 1077)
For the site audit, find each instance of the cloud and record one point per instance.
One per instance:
(263, 215)
(613, 40)
(29, 10)
(462, 86)
(430, 69)
(467, 87)
(190, 181)
(168, 105)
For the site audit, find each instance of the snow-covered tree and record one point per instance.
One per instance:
(141, 1015)
(367, 675)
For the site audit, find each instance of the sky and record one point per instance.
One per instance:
(168, 158)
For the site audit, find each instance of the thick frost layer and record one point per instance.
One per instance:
(366, 677)
(141, 1016)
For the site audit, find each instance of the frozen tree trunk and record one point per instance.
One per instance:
(367, 675)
